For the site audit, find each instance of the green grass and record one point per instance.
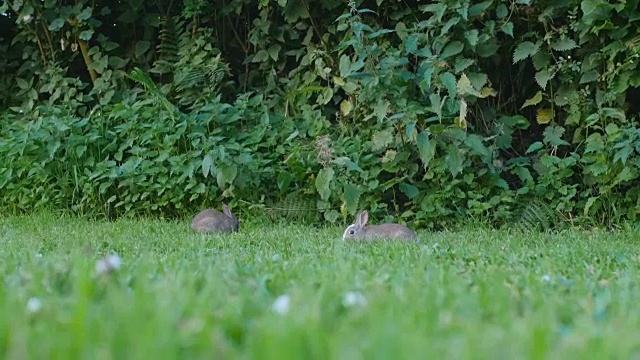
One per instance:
(472, 294)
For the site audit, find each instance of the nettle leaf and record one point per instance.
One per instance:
(260, 56)
(351, 196)
(323, 180)
(207, 165)
(534, 147)
(478, 80)
(564, 44)
(553, 135)
(472, 37)
(589, 76)
(409, 190)
(541, 60)
(453, 161)
(594, 143)
(507, 28)
(411, 44)
(452, 48)
(544, 116)
(535, 100)
(381, 139)
(476, 145)
(426, 148)
(614, 113)
(449, 81)
(479, 8)
(524, 50)
(462, 63)
(274, 51)
(542, 77)
(465, 88)
(623, 154)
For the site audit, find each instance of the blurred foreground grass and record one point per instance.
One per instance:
(300, 293)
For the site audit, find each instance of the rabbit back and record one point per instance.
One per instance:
(212, 220)
(389, 231)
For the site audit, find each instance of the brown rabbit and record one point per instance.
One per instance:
(212, 220)
(390, 231)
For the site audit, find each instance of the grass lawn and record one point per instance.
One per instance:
(300, 293)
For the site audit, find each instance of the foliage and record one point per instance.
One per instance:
(431, 114)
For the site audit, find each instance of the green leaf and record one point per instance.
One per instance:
(381, 139)
(589, 204)
(623, 154)
(351, 196)
(553, 135)
(453, 161)
(226, 174)
(323, 180)
(479, 8)
(472, 37)
(426, 148)
(141, 47)
(502, 11)
(564, 44)
(85, 14)
(409, 190)
(56, 24)
(524, 50)
(411, 44)
(507, 28)
(534, 147)
(476, 145)
(542, 78)
(449, 81)
(535, 100)
(614, 113)
(274, 51)
(284, 180)
(464, 87)
(453, 48)
(345, 66)
(627, 174)
(207, 165)
(260, 56)
(594, 143)
(589, 76)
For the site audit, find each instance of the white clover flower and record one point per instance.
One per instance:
(33, 305)
(282, 304)
(546, 278)
(354, 299)
(110, 263)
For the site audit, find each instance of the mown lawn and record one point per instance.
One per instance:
(475, 294)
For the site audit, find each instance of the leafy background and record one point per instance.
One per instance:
(503, 112)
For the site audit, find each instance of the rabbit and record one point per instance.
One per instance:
(390, 231)
(212, 220)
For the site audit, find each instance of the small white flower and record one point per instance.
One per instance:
(110, 263)
(33, 305)
(38, 255)
(354, 299)
(546, 278)
(281, 305)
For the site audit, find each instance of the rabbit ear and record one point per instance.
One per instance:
(363, 218)
(226, 210)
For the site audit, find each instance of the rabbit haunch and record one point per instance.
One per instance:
(390, 231)
(212, 220)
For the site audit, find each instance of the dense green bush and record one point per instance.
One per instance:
(498, 111)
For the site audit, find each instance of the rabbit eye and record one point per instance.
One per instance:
(351, 232)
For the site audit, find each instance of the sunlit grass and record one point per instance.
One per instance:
(286, 292)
